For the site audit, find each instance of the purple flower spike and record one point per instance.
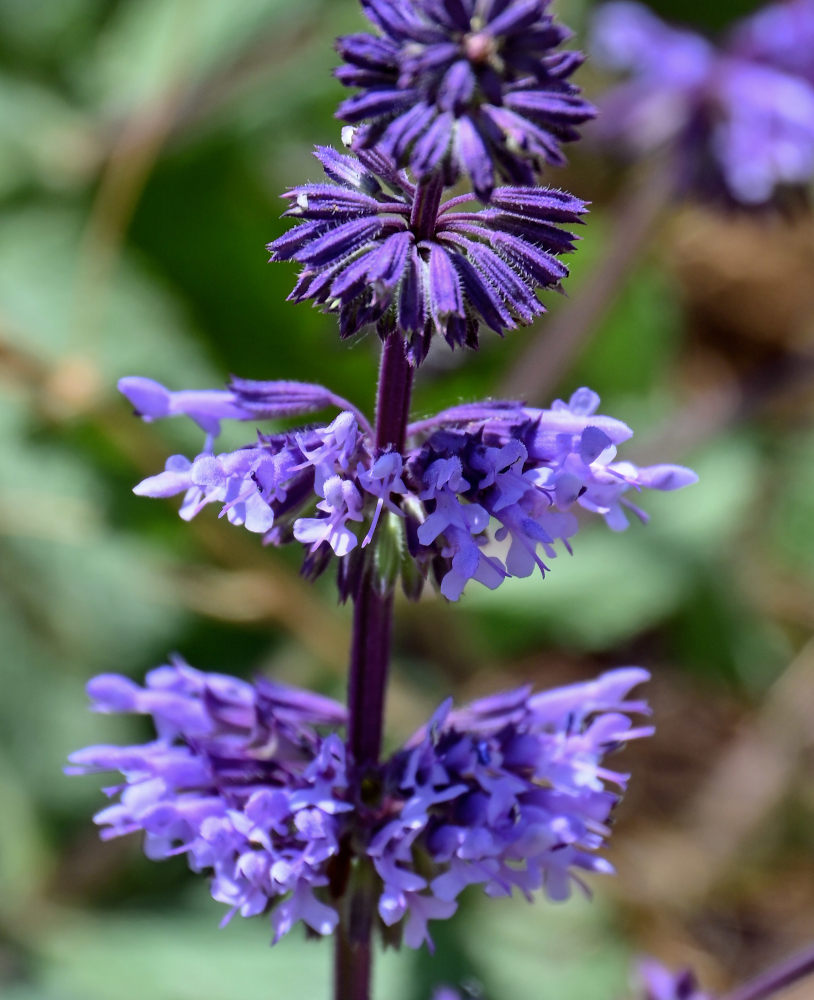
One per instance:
(467, 86)
(365, 257)
(504, 794)
(241, 779)
(740, 121)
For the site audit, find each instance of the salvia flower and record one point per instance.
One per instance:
(511, 792)
(465, 86)
(741, 128)
(371, 253)
(780, 35)
(661, 984)
(483, 491)
(253, 785)
(240, 779)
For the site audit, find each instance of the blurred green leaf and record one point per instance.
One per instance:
(149, 47)
(184, 956)
(791, 525)
(545, 951)
(76, 597)
(43, 306)
(23, 855)
(43, 140)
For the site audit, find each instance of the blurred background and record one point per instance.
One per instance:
(143, 146)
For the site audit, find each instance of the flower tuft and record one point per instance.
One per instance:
(253, 784)
(511, 792)
(370, 255)
(241, 780)
(483, 491)
(477, 87)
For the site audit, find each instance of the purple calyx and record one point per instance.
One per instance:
(464, 87)
(376, 250)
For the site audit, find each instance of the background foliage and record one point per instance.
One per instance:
(143, 144)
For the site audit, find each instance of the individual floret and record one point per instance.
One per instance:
(661, 984)
(780, 35)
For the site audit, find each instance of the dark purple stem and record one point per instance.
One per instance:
(352, 967)
(369, 663)
(372, 612)
(424, 216)
(776, 979)
(369, 660)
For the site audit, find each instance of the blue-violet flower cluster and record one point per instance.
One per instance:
(662, 984)
(463, 86)
(377, 254)
(740, 117)
(510, 792)
(239, 779)
(781, 35)
(252, 784)
(483, 491)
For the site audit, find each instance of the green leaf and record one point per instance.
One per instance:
(546, 951)
(23, 855)
(133, 323)
(151, 47)
(185, 956)
(42, 138)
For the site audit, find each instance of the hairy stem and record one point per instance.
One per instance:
(367, 682)
(781, 976)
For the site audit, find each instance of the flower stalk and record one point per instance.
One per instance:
(776, 979)
(281, 794)
(370, 659)
(352, 967)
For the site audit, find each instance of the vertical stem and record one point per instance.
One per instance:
(395, 388)
(373, 612)
(367, 682)
(776, 979)
(369, 660)
(352, 967)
